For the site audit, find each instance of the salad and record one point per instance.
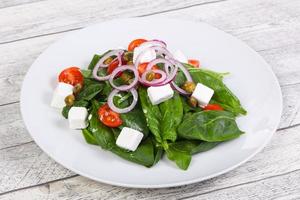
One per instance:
(144, 102)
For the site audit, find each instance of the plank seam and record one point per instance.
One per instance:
(78, 28)
(241, 184)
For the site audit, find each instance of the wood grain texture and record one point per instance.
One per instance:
(10, 3)
(56, 16)
(283, 149)
(278, 44)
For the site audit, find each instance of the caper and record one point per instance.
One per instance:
(128, 56)
(150, 76)
(192, 102)
(69, 100)
(126, 77)
(108, 60)
(77, 88)
(189, 86)
(130, 62)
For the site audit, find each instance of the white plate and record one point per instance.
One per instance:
(251, 79)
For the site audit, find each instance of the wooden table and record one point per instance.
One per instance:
(28, 27)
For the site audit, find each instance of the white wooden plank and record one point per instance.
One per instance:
(284, 148)
(10, 3)
(53, 16)
(282, 54)
(26, 165)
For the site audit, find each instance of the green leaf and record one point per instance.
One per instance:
(105, 138)
(193, 146)
(181, 158)
(222, 93)
(210, 126)
(135, 119)
(94, 61)
(172, 113)
(217, 75)
(87, 73)
(88, 136)
(65, 111)
(90, 91)
(152, 114)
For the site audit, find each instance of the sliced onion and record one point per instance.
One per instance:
(167, 65)
(186, 74)
(159, 51)
(155, 82)
(112, 106)
(163, 44)
(121, 69)
(100, 63)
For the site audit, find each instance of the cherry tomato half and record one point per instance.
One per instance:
(135, 43)
(142, 68)
(109, 117)
(213, 107)
(194, 62)
(71, 75)
(112, 66)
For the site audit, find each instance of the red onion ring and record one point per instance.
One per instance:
(158, 49)
(112, 106)
(100, 63)
(163, 44)
(121, 69)
(155, 82)
(167, 63)
(187, 75)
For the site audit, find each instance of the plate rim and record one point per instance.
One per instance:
(164, 185)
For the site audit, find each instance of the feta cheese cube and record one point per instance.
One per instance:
(203, 94)
(178, 55)
(160, 94)
(61, 91)
(147, 57)
(77, 117)
(129, 139)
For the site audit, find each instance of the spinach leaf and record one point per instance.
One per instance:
(210, 126)
(217, 75)
(105, 138)
(181, 152)
(90, 91)
(88, 136)
(143, 155)
(86, 73)
(172, 113)
(193, 146)
(136, 119)
(94, 61)
(181, 158)
(222, 94)
(152, 114)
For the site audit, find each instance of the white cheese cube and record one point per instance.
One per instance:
(178, 55)
(203, 94)
(148, 56)
(129, 139)
(160, 94)
(77, 117)
(61, 91)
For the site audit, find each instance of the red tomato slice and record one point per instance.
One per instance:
(142, 68)
(112, 66)
(213, 107)
(71, 75)
(194, 62)
(135, 43)
(109, 117)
